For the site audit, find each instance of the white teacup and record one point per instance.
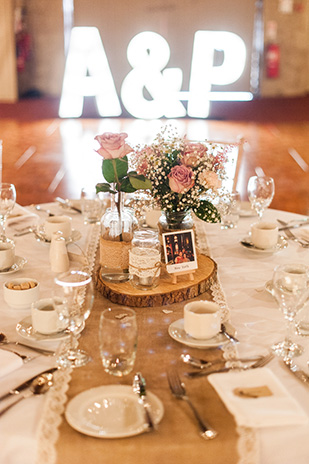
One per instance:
(45, 318)
(202, 319)
(58, 223)
(7, 255)
(264, 235)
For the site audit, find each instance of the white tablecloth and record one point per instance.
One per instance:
(254, 313)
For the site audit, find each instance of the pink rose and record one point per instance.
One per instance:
(192, 153)
(210, 179)
(181, 178)
(113, 145)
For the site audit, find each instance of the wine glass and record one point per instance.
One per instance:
(7, 202)
(118, 340)
(290, 288)
(73, 300)
(261, 191)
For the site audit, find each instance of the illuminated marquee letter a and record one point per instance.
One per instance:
(87, 73)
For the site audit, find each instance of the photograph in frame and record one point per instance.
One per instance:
(179, 251)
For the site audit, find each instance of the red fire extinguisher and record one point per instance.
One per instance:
(272, 52)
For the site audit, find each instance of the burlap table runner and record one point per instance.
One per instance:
(177, 439)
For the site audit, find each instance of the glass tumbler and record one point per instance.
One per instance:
(118, 340)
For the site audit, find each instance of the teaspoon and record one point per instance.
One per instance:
(39, 385)
(203, 364)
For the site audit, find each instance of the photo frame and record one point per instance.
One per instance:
(179, 251)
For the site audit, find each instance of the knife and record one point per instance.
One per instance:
(286, 226)
(299, 373)
(26, 384)
(139, 387)
(65, 203)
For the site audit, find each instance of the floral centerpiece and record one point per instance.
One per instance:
(185, 176)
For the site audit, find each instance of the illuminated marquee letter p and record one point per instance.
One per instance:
(204, 73)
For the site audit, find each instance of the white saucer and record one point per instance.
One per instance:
(25, 330)
(281, 245)
(177, 332)
(111, 411)
(41, 237)
(19, 264)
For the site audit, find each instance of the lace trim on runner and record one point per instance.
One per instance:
(56, 397)
(216, 288)
(247, 446)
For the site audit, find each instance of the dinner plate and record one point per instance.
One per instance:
(177, 332)
(24, 329)
(41, 237)
(281, 245)
(111, 411)
(17, 266)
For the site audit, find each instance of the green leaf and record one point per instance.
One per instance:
(115, 169)
(126, 186)
(139, 182)
(103, 187)
(207, 212)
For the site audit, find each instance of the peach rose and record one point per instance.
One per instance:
(192, 153)
(210, 179)
(113, 145)
(180, 178)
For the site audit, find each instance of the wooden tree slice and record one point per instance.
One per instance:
(166, 293)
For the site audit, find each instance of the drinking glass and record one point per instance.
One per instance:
(290, 288)
(73, 302)
(118, 340)
(91, 205)
(7, 202)
(230, 208)
(261, 191)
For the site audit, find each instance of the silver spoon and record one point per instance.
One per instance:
(39, 385)
(4, 341)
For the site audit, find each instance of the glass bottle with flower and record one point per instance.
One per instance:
(118, 222)
(185, 176)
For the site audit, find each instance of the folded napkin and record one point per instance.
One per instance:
(303, 233)
(9, 362)
(277, 409)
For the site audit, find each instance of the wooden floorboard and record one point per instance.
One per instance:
(45, 156)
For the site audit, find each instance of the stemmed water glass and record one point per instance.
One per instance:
(261, 191)
(290, 288)
(73, 300)
(7, 202)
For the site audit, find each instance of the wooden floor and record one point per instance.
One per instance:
(45, 156)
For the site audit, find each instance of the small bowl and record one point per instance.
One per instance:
(21, 299)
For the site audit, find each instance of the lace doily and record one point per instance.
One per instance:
(56, 397)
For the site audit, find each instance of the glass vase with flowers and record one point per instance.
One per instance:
(185, 176)
(118, 222)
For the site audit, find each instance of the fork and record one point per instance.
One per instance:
(179, 391)
(303, 243)
(259, 363)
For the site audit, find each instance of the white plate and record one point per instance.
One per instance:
(246, 210)
(111, 411)
(17, 266)
(177, 332)
(41, 237)
(281, 245)
(25, 330)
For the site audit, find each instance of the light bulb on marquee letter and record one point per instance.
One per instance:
(148, 53)
(86, 55)
(203, 72)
